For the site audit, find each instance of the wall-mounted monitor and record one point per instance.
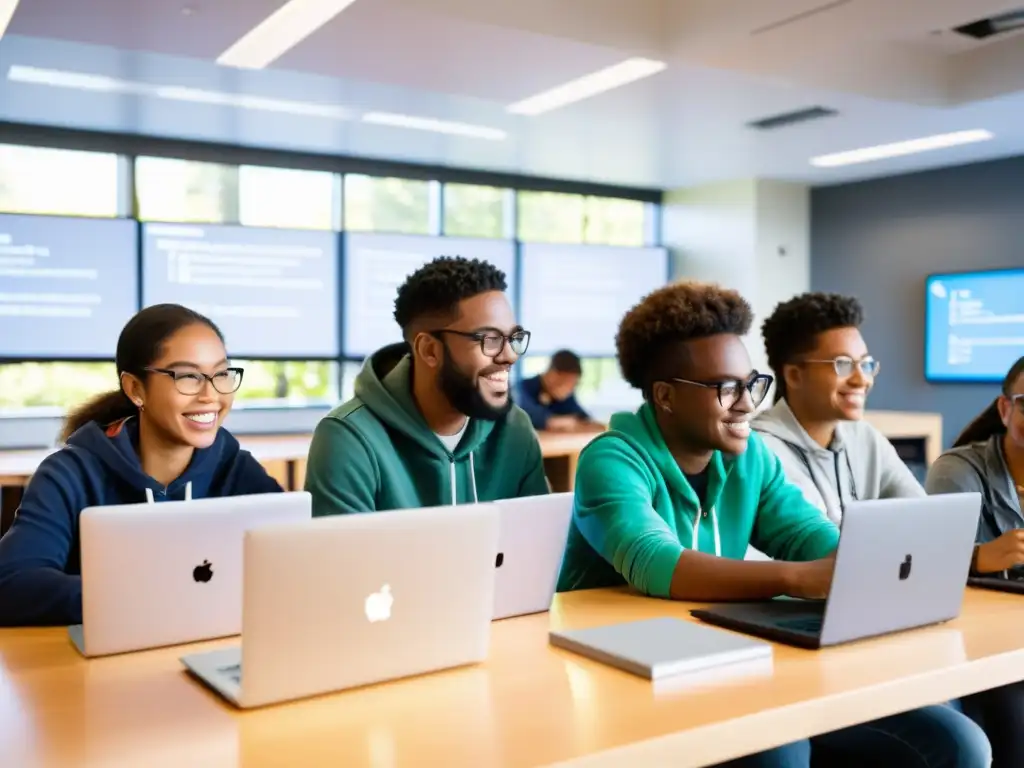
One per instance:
(974, 325)
(273, 292)
(574, 296)
(377, 264)
(67, 285)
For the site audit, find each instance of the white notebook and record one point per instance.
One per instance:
(659, 648)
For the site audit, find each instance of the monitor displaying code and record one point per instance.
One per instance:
(975, 325)
(67, 285)
(272, 292)
(376, 265)
(574, 296)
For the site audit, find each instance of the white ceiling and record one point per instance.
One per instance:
(880, 63)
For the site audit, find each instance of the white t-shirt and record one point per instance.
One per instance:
(451, 442)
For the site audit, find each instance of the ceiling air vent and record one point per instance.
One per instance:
(982, 29)
(791, 118)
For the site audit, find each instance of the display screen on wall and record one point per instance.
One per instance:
(574, 296)
(273, 292)
(377, 264)
(67, 285)
(974, 325)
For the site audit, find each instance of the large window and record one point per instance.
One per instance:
(475, 211)
(292, 383)
(381, 204)
(168, 189)
(554, 217)
(279, 197)
(58, 181)
(51, 388)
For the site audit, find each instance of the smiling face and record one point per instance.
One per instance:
(474, 383)
(692, 412)
(816, 388)
(178, 403)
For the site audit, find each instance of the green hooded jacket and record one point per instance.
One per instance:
(634, 511)
(375, 452)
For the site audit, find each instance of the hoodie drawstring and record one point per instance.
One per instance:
(453, 481)
(188, 493)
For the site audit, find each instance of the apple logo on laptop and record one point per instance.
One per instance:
(378, 605)
(499, 560)
(905, 567)
(203, 573)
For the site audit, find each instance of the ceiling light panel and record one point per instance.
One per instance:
(285, 28)
(900, 148)
(434, 126)
(587, 86)
(7, 8)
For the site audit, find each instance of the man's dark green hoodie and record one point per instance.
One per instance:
(376, 452)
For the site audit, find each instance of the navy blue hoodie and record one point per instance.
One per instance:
(40, 581)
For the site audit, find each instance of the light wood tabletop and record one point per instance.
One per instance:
(527, 705)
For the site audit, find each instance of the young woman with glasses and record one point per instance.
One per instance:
(157, 437)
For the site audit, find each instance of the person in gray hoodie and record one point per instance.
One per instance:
(988, 457)
(823, 376)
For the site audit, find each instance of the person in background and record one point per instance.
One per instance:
(669, 499)
(988, 458)
(816, 425)
(435, 426)
(158, 437)
(550, 398)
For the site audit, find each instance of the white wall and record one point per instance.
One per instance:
(751, 235)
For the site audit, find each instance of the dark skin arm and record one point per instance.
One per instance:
(705, 578)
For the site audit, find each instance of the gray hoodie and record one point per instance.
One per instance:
(980, 467)
(860, 464)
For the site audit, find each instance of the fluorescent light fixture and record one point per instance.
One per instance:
(7, 8)
(285, 28)
(100, 83)
(899, 148)
(584, 87)
(434, 126)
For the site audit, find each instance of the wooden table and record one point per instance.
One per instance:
(527, 705)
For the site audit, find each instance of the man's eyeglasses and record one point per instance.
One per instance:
(731, 391)
(193, 382)
(492, 342)
(844, 365)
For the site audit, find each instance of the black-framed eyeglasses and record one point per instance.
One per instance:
(844, 365)
(225, 381)
(730, 391)
(492, 342)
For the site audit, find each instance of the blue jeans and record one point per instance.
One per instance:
(931, 737)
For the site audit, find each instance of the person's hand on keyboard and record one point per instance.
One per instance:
(1001, 554)
(812, 579)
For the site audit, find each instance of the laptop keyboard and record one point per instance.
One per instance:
(233, 673)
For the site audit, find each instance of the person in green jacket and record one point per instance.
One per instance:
(668, 500)
(432, 422)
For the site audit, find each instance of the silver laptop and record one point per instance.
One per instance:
(169, 573)
(660, 648)
(901, 563)
(355, 599)
(531, 545)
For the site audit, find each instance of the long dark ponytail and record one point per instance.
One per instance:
(989, 422)
(138, 346)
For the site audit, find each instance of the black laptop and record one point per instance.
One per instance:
(1004, 581)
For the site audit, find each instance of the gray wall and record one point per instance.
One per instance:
(878, 239)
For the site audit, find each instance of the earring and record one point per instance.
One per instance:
(666, 409)
(139, 405)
